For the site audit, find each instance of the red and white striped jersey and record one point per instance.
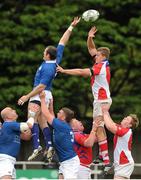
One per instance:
(122, 146)
(100, 80)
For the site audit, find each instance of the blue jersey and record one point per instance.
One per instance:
(10, 138)
(63, 139)
(47, 70)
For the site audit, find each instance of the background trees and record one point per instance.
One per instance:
(27, 27)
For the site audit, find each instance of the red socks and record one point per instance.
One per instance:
(103, 151)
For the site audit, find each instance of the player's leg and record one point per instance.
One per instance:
(101, 134)
(34, 104)
(47, 132)
(102, 142)
(103, 145)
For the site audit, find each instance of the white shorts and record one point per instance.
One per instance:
(7, 166)
(124, 170)
(70, 168)
(47, 99)
(84, 172)
(97, 111)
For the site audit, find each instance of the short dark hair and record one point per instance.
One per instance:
(135, 121)
(52, 51)
(68, 113)
(104, 51)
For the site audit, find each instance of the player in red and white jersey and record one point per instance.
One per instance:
(83, 144)
(123, 160)
(100, 80)
(123, 138)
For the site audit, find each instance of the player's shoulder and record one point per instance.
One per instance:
(121, 131)
(7, 123)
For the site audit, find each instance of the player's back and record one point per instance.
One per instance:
(9, 140)
(63, 139)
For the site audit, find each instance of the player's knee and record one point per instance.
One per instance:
(100, 119)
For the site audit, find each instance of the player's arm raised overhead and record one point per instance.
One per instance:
(46, 112)
(89, 142)
(78, 72)
(64, 39)
(90, 43)
(109, 123)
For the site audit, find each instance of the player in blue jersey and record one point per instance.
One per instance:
(63, 139)
(43, 81)
(10, 141)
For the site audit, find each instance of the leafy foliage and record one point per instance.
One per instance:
(27, 27)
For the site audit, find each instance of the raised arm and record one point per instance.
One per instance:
(78, 72)
(89, 142)
(109, 123)
(48, 115)
(51, 109)
(90, 43)
(64, 39)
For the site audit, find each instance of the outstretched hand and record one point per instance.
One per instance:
(59, 69)
(75, 21)
(22, 100)
(96, 124)
(92, 32)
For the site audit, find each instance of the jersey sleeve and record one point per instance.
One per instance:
(60, 50)
(121, 131)
(80, 138)
(15, 126)
(56, 124)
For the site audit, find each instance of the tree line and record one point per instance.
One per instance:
(27, 27)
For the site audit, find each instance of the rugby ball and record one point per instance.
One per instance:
(90, 15)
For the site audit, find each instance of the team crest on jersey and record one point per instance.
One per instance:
(17, 139)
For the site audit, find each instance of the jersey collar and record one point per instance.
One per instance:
(50, 61)
(103, 61)
(77, 131)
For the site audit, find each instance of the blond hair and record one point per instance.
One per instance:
(135, 120)
(104, 51)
